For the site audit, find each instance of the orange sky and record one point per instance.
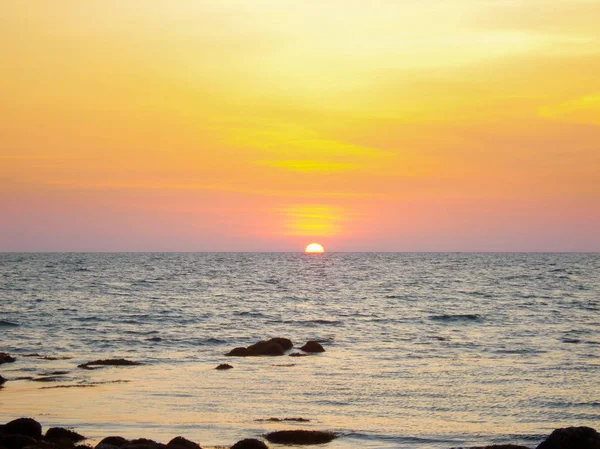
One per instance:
(208, 125)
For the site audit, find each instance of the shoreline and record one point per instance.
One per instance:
(28, 433)
(99, 376)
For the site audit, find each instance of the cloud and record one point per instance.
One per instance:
(585, 109)
(309, 166)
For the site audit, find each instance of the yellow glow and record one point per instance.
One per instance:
(314, 248)
(311, 220)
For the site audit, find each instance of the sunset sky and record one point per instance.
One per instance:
(263, 125)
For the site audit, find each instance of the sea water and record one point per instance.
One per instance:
(422, 350)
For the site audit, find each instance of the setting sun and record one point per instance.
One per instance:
(314, 248)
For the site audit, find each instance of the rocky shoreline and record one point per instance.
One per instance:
(26, 433)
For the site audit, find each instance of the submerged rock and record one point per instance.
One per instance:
(572, 438)
(312, 346)
(157, 339)
(2, 380)
(300, 437)
(298, 354)
(249, 443)
(108, 362)
(6, 358)
(55, 433)
(23, 426)
(49, 379)
(224, 366)
(180, 442)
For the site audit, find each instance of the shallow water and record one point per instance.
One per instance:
(423, 350)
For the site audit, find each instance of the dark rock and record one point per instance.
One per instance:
(572, 438)
(224, 366)
(105, 446)
(2, 380)
(24, 426)
(268, 347)
(298, 354)
(109, 362)
(250, 443)
(180, 442)
(300, 437)
(55, 373)
(144, 443)
(238, 352)
(6, 358)
(55, 433)
(285, 343)
(114, 441)
(312, 346)
(35, 354)
(154, 339)
(47, 445)
(16, 441)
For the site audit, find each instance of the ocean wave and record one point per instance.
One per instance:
(250, 314)
(457, 317)
(4, 323)
(394, 438)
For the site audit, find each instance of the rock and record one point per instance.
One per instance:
(16, 441)
(268, 347)
(6, 358)
(238, 352)
(249, 443)
(312, 346)
(105, 446)
(113, 441)
(180, 442)
(572, 438)
(56, 433)
(273, 347)
(2, 380)
(285, 343)
(298, 354)
(154, 339)
(144, 443)
(109, 362)
(300, 437)
(224, 366)
(47, 445)
(24, 426)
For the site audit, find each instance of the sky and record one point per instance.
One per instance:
(264, 125)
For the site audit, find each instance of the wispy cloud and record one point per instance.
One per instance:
(309, 166)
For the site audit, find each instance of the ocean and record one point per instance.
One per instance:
(422, 350)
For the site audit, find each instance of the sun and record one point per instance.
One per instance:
(314, 248)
